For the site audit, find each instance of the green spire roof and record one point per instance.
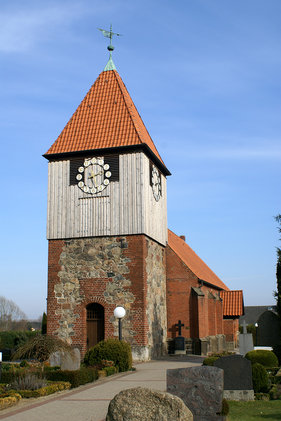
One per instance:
(110, 65)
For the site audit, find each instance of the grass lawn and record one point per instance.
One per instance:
(255, 410)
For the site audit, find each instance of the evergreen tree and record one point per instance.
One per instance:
(278, 273)
(44, 324)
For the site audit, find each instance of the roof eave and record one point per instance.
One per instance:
(118, 149)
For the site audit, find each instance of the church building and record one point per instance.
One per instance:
(109, 244)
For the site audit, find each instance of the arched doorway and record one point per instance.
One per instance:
(95, 324)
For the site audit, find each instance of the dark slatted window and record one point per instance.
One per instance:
(74, 165)
(111, 160)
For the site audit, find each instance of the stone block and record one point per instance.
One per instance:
(200, 388)
(68, 361)
(142, 404)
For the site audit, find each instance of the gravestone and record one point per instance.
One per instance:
(201, 389)
(245, 341)
(238, 385)
(179, 341)
(143, 404)
(269, 329)
(66, 360)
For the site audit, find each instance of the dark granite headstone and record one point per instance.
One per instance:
(237, 372)
(201, 389)
(269, 329)
(237, 377)
(179, 343)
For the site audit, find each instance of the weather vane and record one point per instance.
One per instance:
(109, 34)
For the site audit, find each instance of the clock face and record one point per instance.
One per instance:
(156, 183)
(93, 176)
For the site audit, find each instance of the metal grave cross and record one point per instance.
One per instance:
(179, 325)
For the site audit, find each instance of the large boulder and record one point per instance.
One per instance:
(142, 404)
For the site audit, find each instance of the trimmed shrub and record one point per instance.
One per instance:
(45, 391)
(277, 352)
(75, 378)
(263, 357)
(110, 370)
(260, 378)
(210, 360)
(110, 349)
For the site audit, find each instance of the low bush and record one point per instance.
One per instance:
(9, 400)
(210, 360)
(28, 382)
(260, 378)
(275, 392)
(263, 357)
(43, 391)
(75, 378)
(277, 352)
(111, 349)
(224, 408)
(110, 370)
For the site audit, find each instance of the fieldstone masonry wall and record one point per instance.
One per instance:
(127, 271)
(156, 311)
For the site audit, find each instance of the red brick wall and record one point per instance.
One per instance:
(202, 315)
(230, 329)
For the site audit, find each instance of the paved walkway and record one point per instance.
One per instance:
(90, 402)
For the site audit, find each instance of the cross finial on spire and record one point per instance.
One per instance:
(109, 34)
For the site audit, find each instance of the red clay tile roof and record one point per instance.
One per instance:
(233, 303)
(195, 264)
(106, 118)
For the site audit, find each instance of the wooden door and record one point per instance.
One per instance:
(95, 324)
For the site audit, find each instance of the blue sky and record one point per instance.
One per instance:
(205, 77)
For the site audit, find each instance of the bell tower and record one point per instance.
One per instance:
(107, 223)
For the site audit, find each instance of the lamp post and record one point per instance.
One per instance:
(119, 313)
(256, 326)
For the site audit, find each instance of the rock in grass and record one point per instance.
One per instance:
(142, 404)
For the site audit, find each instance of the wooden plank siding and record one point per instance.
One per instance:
(125, 207)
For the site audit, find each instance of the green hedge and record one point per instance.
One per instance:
(260, 378)
(111, 349)
(263, 357)
(75, 378)
(13, 339)
(210, 360)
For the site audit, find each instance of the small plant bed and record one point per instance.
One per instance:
(255, 411)
(11, 394)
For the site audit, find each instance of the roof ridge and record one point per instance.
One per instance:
(222, 286)
(116, 74)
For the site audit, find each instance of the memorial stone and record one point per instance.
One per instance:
(66, 360)
(245, 341)
(143, 404)
(238, 385)
(179, 341)
(201, 389)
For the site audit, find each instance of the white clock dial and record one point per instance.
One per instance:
(93, 176)
(156, 183)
